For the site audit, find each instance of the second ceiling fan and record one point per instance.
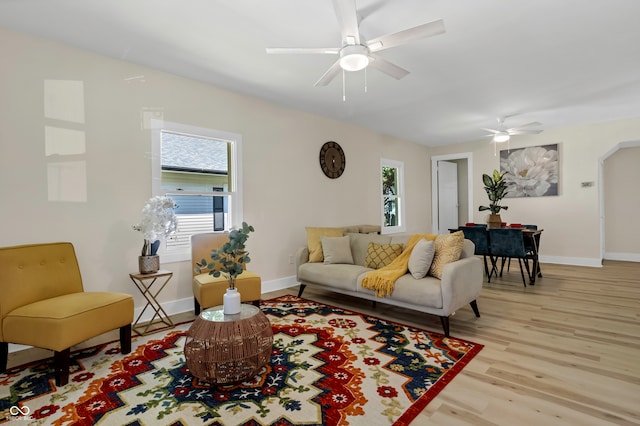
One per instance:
(355, 53)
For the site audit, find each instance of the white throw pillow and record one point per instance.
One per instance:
(421, 258)
(336, 250)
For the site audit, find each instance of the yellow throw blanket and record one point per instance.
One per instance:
(382, 280)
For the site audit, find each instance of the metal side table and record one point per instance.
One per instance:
(145, 282)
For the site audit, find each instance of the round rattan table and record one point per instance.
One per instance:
(228, 348)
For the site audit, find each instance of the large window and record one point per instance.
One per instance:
(392, 199)
(200, 170)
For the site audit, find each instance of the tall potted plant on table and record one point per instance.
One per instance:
(158, 221)
(229, 261)
(496, 187)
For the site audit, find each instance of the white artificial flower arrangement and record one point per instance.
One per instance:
(158, 221)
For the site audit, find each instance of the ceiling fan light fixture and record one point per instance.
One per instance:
(500, 137)
(354, 58)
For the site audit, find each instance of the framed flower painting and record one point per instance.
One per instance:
(531, 171)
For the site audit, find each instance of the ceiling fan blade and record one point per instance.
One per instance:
(533, 123)
(329, 75)
(524, 132)
(491, 130)
(387, 67)
(405, 36)
(303, 50)
(348, 20)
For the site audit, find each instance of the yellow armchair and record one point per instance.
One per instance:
(44, 304)
(208, 290)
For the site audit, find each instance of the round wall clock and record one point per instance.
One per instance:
(332, 160)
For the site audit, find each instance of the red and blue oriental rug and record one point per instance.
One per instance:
(329, 366)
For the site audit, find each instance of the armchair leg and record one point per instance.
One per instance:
(61, 366)
(256, 303)
(302, 286)
(4, 356)
(474, 306)
(196, 306)
(125, 339)
(445, 325)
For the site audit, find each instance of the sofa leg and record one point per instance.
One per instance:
(302, 286)
(61, 366)
(4, 356)
(445, 325)
(373, 304)
(196, 306)
(125, 339)
(474, 306)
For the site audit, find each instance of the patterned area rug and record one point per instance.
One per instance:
(328, 366)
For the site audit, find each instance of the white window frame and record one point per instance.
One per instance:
(399, 166)
(235, 140)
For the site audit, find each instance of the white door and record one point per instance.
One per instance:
(447, 196)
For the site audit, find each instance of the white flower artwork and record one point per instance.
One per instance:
(531, 172)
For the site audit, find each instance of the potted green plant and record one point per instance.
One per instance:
(229, 261)
(496, 187)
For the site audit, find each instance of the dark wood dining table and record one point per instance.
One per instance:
(533, 237)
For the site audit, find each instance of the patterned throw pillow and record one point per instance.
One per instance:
(380, 255)
(314, 244)
(448, 249)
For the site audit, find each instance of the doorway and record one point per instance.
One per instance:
(464, 183)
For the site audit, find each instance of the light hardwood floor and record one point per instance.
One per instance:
(563, 352)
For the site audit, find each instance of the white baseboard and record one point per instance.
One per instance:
(174, 307)
(627, 257)
(575, 261)
(279, 284)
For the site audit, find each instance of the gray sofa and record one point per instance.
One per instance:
(460, 284)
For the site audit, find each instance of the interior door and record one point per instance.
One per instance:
(447, 196)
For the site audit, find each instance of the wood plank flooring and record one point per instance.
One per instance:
(563, 352)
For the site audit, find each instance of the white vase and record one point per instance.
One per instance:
(231, 302)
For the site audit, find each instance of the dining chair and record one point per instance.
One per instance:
(529, 246)
(507, 243)
(480, 238)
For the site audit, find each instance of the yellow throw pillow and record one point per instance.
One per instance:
(448, 249)
(380, 255)
(313, 241)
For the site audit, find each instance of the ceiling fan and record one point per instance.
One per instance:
(356, 54)
(501, 134)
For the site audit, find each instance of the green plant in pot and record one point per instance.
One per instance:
(229, 261)
(496, 188)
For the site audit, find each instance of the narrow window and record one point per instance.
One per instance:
(392, 176)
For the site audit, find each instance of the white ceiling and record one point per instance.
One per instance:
(559, 62)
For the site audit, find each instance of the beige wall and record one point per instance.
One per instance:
(284, 188)
(571, 220)
(621, 176)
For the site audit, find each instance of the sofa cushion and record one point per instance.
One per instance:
(426, 291)
(313, 241)
(421, 258)
(360, 244)
(337, 276)
(336, 250)
(448, 248)
(369, 229)
(380, 255)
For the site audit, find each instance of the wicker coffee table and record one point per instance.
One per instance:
(228, 348)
